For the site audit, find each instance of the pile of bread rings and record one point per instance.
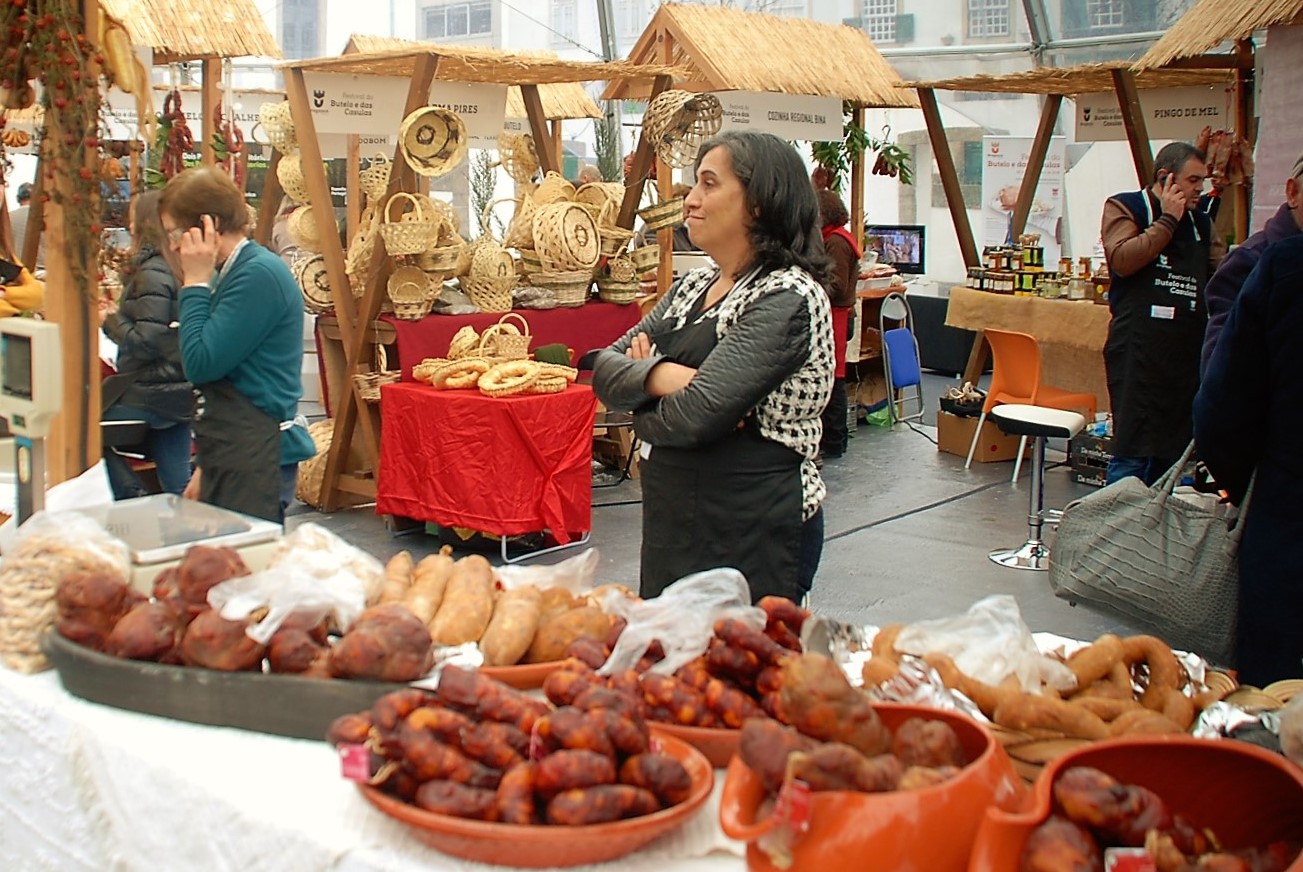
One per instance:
(1124, 686)
(495, 378)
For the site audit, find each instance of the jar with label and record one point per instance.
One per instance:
(1085, 267)
(1079, 288)
(1065, 267)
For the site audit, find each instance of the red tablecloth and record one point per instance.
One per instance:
(583, 328)
(507, 466)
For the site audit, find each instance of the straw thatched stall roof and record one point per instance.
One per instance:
(182, 30)
(727, 49)
(483, 65)
(1210, 22)
(560, 100)
(1069, 81)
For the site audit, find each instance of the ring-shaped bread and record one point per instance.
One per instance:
(509, 377)
(459, 374)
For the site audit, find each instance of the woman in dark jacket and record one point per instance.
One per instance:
(727, 378)
(150, 384)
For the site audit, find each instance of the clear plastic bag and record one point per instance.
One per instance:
(989, 642)
(288, 589)
(682, 618)
(575, 574)
(315, 551)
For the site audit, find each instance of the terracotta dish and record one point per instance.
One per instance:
(526, 676)
(540, 847)
(717, 743)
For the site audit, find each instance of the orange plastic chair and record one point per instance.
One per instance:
(1016, 378)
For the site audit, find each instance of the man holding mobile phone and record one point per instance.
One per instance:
(1160, 250)
(241, 335)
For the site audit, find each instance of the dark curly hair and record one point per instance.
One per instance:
(785, 231)
(832, 211)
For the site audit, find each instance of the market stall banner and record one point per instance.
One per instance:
(344, 103)
(336, 145)
(1170, 113)
(1004, 162)
(791, 116)
(482, 108)
(121, 122)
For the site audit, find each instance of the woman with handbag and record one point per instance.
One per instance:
(728, 376)
(150, 384)
(1247, 420)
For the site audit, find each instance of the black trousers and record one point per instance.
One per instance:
(835, 437)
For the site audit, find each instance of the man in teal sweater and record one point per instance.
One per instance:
(242, 346)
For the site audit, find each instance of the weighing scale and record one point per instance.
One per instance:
(31, 394)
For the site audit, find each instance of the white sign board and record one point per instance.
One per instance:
(336, 145)
(120, 121)
(482, 108)
(343, 103)
(791, 116)
(1170, 113)
(1004, 162)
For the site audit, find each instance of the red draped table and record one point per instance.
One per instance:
(506, 466)
(583, 328)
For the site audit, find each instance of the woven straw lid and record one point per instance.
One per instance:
(314, 280)
(433, 140)
(677, 122)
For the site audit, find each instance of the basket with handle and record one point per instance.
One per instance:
(569, 287)
(412, 232)
(677, 122)
(443, 257)
(289, 172)
(410, 290)
(603, 200)
(374, 180)
(305, 229)
(433, 140)
(662, 215)
(358, 257)
(506, 341)
(646, 258)
(491, 277)
(277, 123)
(565, 237)
(611, 290)
(553, 189)
(368, 383)
(520, 232)
(518, 156)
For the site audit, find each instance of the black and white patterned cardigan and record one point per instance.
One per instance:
(774, 360)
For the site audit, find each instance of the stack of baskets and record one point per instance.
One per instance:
(411, 292)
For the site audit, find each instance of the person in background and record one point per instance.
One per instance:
(150, 384)
(282, 241)
(1247, 418)
(589, 173)
(1225, 284)
(727, 378)
(680, 240)
(845, 255)
(1160, 251)
(242, 344)
(18, 219)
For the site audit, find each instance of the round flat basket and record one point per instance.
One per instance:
(569, 287)
(314, 281)
(289, 172)
(565, 237)
(305, 229)
(433, 140)
(413, 232)
(374, 180)
(677, 122)
(518, 156)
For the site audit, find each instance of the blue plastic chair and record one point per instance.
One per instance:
(900, 358)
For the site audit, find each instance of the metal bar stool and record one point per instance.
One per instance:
(1040, 423)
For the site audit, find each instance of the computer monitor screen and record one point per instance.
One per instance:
(901, 245)
(17, 366)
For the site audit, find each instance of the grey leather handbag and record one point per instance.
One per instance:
(1163, 561)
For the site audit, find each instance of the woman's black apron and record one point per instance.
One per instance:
(736, 502)
(238, 450)
(1155, 340)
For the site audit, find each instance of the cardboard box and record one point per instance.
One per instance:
(1088, 457)
(1093, 477)
(955, 434)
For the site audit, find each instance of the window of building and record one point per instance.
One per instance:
(458, 19)
(1105, 13)
(631, 17)
(880, 20)
(790, 8)
(987, 18)
(564, 20)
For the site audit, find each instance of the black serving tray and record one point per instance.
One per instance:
(282, 705)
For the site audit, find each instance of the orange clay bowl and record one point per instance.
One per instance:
(926, 830)
(717, 743)
(1248, 796)
(542, 846)
(526, 676)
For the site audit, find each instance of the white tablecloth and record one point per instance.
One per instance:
(88, 787)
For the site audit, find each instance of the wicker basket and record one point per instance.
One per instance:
(529, 262)
(442, 258)
(360, 249)
(433, 140)
(518, 156)
(646, 258)
(374, 180)
(368, 383)
(504, 340)
(277, 123)
(565, 237)
(664, 215)
(314, 281)
(677, 122)
(289, 172)
(610, 290)
(416, 231)
(604, 197)
(553, 189)
(621, 269)
(489, 294)
(520, 232)
(570, 287)
(409, 289)
(305, 229)
(613, 240)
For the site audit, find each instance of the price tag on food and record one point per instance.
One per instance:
(794, 806)
(1129, 860)
(355, 762)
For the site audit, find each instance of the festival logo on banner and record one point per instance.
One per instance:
(1004, 162)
